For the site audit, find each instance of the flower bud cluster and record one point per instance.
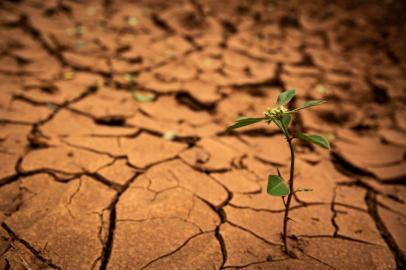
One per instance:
(276, 112)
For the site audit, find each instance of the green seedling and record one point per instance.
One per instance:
(80, 44)
(132, 21)
(282, 117)
(68, 75)
(136, 96)
(76, 31)
(169, 135)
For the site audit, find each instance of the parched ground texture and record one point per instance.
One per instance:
(114, 150)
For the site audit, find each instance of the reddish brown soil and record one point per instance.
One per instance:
(92, 179)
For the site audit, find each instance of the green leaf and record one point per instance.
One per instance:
(280, 125)
(316, 139)
(141, 97)
(285, 97)
(277, 186)
(286, 120)
(283, 123)
(245, 121)
(309, 103)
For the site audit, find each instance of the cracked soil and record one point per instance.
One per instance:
(114, 152)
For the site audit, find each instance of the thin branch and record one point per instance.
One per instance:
(291, 176)
(283, 200)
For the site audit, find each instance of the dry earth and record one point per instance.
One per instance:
(94, 175)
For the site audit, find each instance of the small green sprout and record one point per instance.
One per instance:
(169, 53)
(321, 89)
(80, 44)
(136, 96)
(282, 117)
(132, 21)
(169, 135)
(207, 62)
(68, 75)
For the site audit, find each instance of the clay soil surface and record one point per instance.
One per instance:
(114, 152)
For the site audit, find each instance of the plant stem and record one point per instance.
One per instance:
(292, 171)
